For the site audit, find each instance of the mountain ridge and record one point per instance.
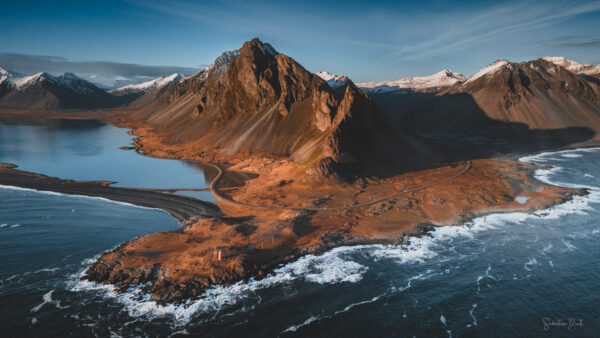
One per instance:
(506, 100)
(46, 91)
(434, 82)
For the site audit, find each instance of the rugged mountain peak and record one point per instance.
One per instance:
(490, 69)
(518, 80)
(143, 93)
(333, 80)
(4, 74)
(159, 82)
(507, 99)
(257, 49)
(29, 80)
(256, 44)
(7, 77)
(573, 66)
(46, 91)
(260, 80)
(267, 103)
(434, 82)
(221, 63)
(67, 79)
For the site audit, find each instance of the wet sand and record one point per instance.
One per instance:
(182, 208)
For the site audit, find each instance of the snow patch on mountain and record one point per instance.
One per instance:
(222, 62)
(69, 80)
(8, 77)
(444, 78)
(5, 75)
(334, 81)
(156, 83)
(495, 67)
(573, 66)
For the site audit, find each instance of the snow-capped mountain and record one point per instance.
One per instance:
(8, 77)
(334, 81)
(145, 92)
(512, 97)
(222, 62)
(492, 68)
(157, 83)
(575, 67)
(434, 82)
(46, 91)
(69, 80)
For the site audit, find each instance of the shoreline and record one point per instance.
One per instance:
(120, 269)
(182, 308)
(253, 244)
(185, 311)
(182, 208)
(122, 295)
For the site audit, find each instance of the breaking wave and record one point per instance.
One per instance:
(340, 265)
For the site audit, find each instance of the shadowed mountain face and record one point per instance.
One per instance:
(538, 93)
(524, 105)
(265, 102)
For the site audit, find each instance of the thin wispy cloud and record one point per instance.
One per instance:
(271, 21)
(573, 41)
(366, 40)
(495, 23)
(394, 35)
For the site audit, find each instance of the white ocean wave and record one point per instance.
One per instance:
(47, 299)
(541, 157)
(338, 265)
(330, 268)
(294, 328)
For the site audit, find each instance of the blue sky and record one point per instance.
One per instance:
(366, 40)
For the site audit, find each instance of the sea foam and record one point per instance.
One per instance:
(337, 265)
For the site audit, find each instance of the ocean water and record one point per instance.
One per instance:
(512, 274)
(44, 239)
(90, 150)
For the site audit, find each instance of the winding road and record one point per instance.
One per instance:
(215, 191)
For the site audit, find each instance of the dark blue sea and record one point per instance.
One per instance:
(508, 275)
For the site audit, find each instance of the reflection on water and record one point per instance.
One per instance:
(90, 151)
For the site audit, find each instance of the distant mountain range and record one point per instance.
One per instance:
(145, 92)
(45, 91)
(67, 91)
(254, 100)
(431, 83)
(539, 100)
(75, 92)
